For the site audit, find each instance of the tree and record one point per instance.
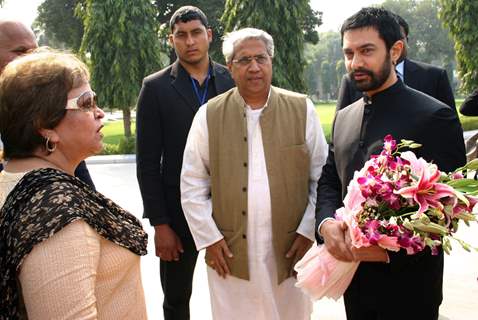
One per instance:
(461, 18)
(213, 10)
(58, 24)
(428, 39)
(289, 23)
(121, 39)
(328, 49)
(327, 77)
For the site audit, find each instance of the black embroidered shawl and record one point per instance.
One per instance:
(41, 204)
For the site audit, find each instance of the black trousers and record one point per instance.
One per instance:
(395, 311)
(177, 281)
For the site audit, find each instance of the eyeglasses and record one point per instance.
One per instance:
(245, 61)
(86, 101)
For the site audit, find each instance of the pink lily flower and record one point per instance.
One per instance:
(427, 192)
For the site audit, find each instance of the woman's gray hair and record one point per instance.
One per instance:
(234, 38)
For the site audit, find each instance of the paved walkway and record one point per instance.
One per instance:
(115, 177)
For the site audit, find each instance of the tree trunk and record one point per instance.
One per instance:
(127, 122)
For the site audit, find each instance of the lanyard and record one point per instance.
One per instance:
(201, 98)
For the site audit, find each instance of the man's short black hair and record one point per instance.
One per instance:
(403, 24)
(379, 19)
(186, 14)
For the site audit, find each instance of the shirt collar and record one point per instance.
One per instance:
(264, 106)
(400, 69)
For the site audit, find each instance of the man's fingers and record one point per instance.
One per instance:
(166, 255)
(292, 250)
(226, 250)
(223, 264)
(175, 255)
(179, 245)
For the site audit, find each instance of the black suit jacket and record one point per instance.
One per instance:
(358, 132)
(166, 107)
(470, 105)
(82, 173)
(420, 76)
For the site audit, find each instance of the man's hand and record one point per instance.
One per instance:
(216, 254)
(299, 247)
(167, 243)
(370, 254)
(336, 239)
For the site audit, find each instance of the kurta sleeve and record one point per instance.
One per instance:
(58, 276)
(196, 184)
(317, 147)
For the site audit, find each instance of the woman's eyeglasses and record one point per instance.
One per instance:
(86, 101)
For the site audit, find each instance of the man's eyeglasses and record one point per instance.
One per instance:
(245, 61)
(85, 102)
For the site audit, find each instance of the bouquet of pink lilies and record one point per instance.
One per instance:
(396, 201)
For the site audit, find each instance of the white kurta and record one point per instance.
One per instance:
(260, 297)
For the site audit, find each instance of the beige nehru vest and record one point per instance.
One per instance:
(283, 125)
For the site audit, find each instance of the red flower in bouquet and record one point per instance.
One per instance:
(396, 201)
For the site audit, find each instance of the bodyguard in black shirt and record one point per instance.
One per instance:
(372, 44)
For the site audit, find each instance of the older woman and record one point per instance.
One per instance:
(66, 251)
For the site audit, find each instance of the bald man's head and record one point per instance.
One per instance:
(15, 39)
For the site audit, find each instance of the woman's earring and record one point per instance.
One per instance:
(50, 146)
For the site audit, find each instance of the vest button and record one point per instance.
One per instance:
(245, 164)
(244, 189)
(243, 236)
(243, 213)
(245, 139)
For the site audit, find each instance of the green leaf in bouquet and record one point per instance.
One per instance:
(471, 165)
(465, 182)
(454, 224)
(407, 224)
(424, 219)
(466, 217)
(446, 244)
(465, 245)
(431, 227)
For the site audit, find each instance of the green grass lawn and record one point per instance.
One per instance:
(113, 130)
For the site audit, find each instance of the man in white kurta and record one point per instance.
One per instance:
(261, 297)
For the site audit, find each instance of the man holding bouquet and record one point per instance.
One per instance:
(385, 282)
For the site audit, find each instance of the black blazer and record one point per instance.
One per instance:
(82, 173)
(166, 108)
(470, 105)
(423, 77)
(358, 132)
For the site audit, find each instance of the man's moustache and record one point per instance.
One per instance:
(366, 71)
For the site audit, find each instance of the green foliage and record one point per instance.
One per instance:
(327, 75)
(328, 49)
(58, 25)
(113, 131)
(461, 18)
(109, 149)
(127, 145)
(428, 40)
(287, 22)
(213, 10)
(121, 40)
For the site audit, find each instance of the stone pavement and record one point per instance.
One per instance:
(115, 177)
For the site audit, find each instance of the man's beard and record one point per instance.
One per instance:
(375, 81)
